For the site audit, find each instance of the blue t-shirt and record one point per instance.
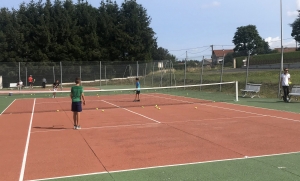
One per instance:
(137, 85)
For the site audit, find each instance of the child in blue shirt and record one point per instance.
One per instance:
(138, 90)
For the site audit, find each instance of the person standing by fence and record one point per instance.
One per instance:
(44, 83)
(285, 81)
(30, 81)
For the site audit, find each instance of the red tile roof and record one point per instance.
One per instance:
(220, 53)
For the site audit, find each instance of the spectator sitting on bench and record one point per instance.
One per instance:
(20, 84)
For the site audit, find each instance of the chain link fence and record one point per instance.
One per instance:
(104, 74)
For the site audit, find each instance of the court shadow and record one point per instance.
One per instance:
(53, 127)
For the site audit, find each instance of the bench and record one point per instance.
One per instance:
(294, 92)
(251, 89)
(15, 85)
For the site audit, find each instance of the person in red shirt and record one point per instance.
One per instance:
(30, 81)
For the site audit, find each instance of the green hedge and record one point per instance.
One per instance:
(289, 57)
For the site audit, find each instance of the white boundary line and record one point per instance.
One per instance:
(230, 109)
(100, 127)
(132, 112)
(147, 124)
(27, 145)
(234, 104)
(164, 166)
(7, 107)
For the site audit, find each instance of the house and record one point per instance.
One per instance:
(287, 49)
(217, 55)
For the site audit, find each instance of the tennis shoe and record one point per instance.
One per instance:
(75, 127)
(78, 127)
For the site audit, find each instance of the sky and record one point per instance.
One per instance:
(189, 27)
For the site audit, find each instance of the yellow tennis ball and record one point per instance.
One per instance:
(97, 108)
(30, 94)
(142, 106)
(195, 107)
(102, 110)
(159, 108)
(57, 110)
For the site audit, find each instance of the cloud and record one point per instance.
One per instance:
(211, 5)
(276, 42)
(294, 13)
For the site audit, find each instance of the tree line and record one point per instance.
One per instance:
(66, 31)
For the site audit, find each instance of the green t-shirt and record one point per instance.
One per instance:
(76, 92)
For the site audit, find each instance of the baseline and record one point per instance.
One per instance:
(165, 166)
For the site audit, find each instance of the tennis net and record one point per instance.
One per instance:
(119, 98)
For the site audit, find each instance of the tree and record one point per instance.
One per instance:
(296, 28)
(137, 35)
(247, 39)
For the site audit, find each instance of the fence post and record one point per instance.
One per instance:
(247, 71)
(53, 74)
(105, 75)
(137, 68)
(185, 69)
(145, 73)
(26, 75)
(19, 71)
(61, 82)
(236, 91)
(221, 78)
(170, 72)
(201, 78)
(80, 74)
(152, 73)
(100, 75)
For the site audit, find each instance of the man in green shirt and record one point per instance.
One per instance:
(77, 97)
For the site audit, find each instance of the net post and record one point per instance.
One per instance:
(61, 82)
(236, 91)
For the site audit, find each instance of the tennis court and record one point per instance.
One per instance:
(168, 135)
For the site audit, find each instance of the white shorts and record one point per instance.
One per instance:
(54, 90)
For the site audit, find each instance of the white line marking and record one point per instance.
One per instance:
(217, 119)
(294, 120)
(7, 107)
(164, 166)
(100, 127)
(132, 111)
(27, 145)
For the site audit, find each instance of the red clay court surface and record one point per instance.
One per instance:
(39, 145)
